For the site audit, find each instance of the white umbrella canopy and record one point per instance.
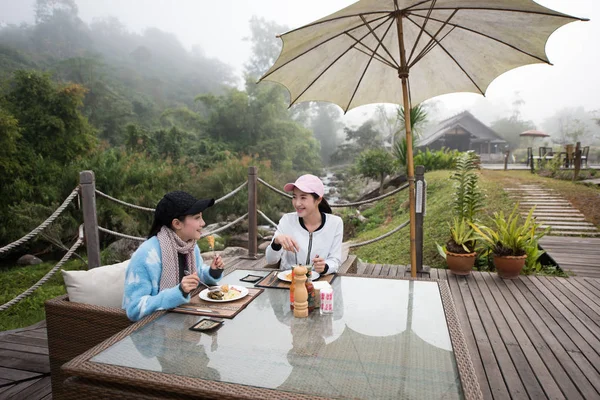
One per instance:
(355, 56)
(351, 57)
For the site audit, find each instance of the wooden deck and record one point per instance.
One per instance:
(579, 256)
(534, 337)
(24, 365)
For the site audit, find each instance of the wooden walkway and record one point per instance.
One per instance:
(531, 338)
(24, 365)
(577, 256)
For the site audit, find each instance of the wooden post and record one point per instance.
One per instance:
(87, 182)
(531, 162)
(577, 161)
(420, 191)
(506, 155)
(252, 220)
(569, 159)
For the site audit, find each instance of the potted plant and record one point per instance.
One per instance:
(509, 241)
(459, 251)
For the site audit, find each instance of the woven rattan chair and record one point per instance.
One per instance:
(74, 328)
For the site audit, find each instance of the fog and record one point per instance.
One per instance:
(219, 28)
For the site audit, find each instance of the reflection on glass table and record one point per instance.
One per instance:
(387, 338)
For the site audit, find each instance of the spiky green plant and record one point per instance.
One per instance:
(511, 236)
(462, 234)
(468, 198)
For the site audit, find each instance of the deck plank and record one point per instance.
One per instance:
(467, 332)
(541, 384)
(575, 363)
(495, 380)
(510, 374)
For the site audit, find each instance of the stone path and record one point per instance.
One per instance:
(551, 209)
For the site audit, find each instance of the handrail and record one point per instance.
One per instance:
(141, 239)
(49, 275)
(273, 188)
(44, 224)
(148, 209)
(357, 203)
(352, 245)
(262, 214)
(383, 196)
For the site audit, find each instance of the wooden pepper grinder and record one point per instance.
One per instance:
(300, 293)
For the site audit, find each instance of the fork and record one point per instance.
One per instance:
(210, 288)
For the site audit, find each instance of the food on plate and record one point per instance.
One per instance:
(226, 293)
(288, 276)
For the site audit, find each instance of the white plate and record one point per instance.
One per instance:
(244, 292)
(282, 275)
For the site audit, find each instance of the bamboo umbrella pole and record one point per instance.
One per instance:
(403, 75)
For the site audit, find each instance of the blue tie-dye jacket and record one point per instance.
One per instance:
(142, 282)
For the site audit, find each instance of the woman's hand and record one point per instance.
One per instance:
(287, 242)
(189, 283)
(318, 264)
(217, 263)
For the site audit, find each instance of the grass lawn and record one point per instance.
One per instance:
(391, 212)
(17, 279)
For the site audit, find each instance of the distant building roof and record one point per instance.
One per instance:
(466, 121)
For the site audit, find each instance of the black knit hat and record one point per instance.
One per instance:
(179, 204)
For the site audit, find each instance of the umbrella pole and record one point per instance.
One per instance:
(410, 168)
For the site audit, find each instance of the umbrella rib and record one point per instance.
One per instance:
(341, 17)
(429, 48)
(453, 59)
(421, 30)
(488, 37)
(377, 57)
(367, 67)
(331, 64)
(321, 43)
(379, 40)
(548, 14)
(431, 44)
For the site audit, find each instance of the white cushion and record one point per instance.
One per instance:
(102, 286)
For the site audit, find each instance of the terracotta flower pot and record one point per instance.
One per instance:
(509, 267)
(460, 264)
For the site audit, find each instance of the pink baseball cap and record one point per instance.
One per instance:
(308, 184)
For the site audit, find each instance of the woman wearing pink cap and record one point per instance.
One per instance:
(313, 233)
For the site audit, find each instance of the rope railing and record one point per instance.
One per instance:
(353, 245)
(141, 239)
(229, 225)
(354, 204)
(358, 203)
(273, 188)
(147, 209)
(44, 224)
(267, 218)
(123, 203)
(233, 192)
(46, 277)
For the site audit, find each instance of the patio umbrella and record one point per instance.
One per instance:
(355, 56)
(534, 134)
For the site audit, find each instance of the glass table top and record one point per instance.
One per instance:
(387, 338)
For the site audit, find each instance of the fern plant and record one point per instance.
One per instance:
(468, 198)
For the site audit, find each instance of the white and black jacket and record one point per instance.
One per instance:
(325, 241)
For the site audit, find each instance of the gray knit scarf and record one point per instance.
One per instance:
(170, 245)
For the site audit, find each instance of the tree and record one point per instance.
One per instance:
(418, 119)
(265, 45)
(325, 126)
(571, 125)
(510, 128)
(375, 164)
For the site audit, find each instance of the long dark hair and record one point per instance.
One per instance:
(157, 225)
(324, 206)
